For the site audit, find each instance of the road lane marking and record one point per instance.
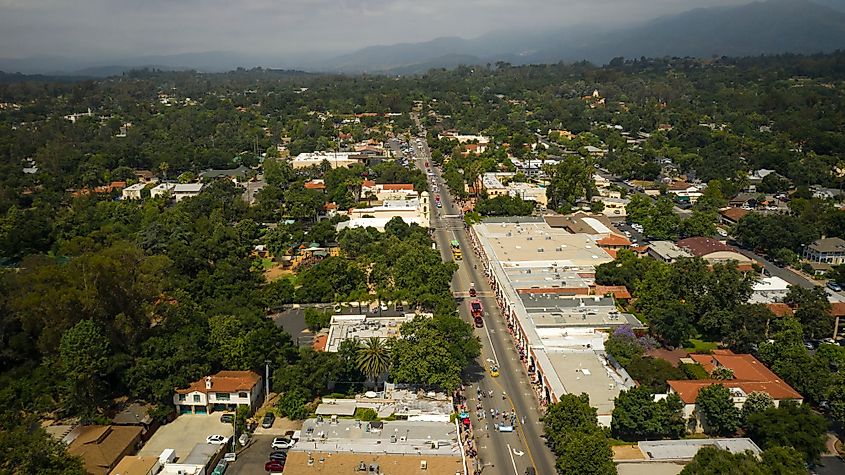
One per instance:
(510, 451)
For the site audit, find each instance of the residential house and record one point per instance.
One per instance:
(145, 176)
(186, 190)
(102, 447)
(528, 192)
(716, 252)
(830, 251)
(315, 184)
(163, 189)
(137, 414)
(731, 216)
(224, 391)
(666, 251)
(683, 191)
(236, 174)
(133, 192)
(749, 375)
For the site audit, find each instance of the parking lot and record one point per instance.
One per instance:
(251, 459)
(184, 433)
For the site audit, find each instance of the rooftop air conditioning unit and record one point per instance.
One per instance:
(423, 465)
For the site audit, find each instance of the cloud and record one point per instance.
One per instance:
(286, 28)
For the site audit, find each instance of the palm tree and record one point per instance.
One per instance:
(374, 358)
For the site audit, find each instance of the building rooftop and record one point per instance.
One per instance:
(360, 327)
(100, 447)
(491, 182)
(384, 437)
(582, 372)
(188, 187)
(560, 310)
(668, 250)
(334, 463)
(833, 244)
(702, 246)
(225, 381)
(135, 465)
(686, 449)
(750, 375)
(516, 244)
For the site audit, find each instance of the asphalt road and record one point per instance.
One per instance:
(499, 453)
(251, 460)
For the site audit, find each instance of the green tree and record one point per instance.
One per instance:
(84, 355)
(719, 415)
(317, 319)
(33, 451)
(715, 461)
(586, 453)
(637, 416)
(813, 310)
(433, 351)
(700, 223)
(756, 402)
(571, 414)
(784, 461)
(293, 402)
(790, 425)
(570, 180)
(374, 358)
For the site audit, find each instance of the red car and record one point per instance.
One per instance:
(475, 308)
(274, 466)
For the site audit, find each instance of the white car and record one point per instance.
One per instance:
(215, 439)
(282, 443)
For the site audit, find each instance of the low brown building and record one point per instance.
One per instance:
(102, 447)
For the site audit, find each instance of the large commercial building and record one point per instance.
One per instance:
(543, 278)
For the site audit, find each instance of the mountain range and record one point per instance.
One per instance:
(763, 27)
(770, 27)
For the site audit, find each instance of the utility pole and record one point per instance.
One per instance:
(266, 379)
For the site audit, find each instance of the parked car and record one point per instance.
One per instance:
(227, 418)
(282, 443)
(274, 466)
(215, 439)
(268, 420)
(220, 469)
(278, 456)
(834, 286)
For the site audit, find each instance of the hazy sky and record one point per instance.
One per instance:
(113, 28)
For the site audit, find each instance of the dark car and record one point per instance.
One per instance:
(227, 418)
(274, 466)
(278, 456)
(268, 420)
(479, 322)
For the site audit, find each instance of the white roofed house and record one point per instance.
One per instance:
(162, 189)
(133, 192)
(187, 190)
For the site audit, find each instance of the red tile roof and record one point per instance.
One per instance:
(320, 342)
(397, 186)
(226, 382)
(315, 185)
(611, 252)
(837, 309)
(734, 214)
(749, 375)
(613, 240)
(780, 309)
(368, 184)
(701, 246)
(618, 291)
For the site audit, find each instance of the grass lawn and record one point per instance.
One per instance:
(700, 346)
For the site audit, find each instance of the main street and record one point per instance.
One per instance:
(499, 452)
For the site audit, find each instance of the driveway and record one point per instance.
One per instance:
(185, 432)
